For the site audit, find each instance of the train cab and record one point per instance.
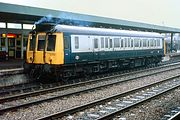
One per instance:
(45, 48)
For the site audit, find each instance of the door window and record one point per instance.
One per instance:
(41, 42)
(51, 42)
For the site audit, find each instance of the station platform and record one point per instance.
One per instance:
(11, 64)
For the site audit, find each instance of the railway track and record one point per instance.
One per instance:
(174, 114)
(25, 88)
(109, 107)
(32, 87)
(175, 117)
(29, 87)
(69, 90)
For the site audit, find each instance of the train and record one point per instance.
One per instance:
(66, 51)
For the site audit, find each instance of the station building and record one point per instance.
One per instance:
(16, 22)
(13, 39)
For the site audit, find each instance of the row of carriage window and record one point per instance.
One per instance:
(106, 42)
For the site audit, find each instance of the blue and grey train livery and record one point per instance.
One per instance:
(67, 50)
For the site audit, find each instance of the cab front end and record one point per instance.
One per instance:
(44, 52)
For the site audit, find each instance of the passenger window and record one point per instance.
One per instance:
(95, 43)
(122, 43)
(51, 42)
(76, 42)
(151, 43)
(155, 43)
(41, 42)
(129, 42)
(144, 42)
(116, 43)
(125, 45)
(158, 43)
(148, 45)
(140, 43)
(132, 42)
(136, 42)
(106, 42)
(102, 42)
(110, 43)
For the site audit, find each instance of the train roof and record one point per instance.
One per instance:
(104, 31)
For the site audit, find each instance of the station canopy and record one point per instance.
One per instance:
(30, 15)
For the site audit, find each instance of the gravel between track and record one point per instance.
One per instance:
(121, 78)
(46, 108)
(47, 95)
(154, 109)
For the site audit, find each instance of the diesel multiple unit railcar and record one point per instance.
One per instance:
(65, 51)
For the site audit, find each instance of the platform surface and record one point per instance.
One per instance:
(11, 64)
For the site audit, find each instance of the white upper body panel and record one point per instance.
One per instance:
(83, 39)
(104, 31)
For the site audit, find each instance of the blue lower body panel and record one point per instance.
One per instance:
(112, 55)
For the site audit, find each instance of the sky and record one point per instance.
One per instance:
(158, 12)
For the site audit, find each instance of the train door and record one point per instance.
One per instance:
(54, 49)
(11, 45)
(67, 51)
(14, 45)
(96, 48)
(30, 53)
(39, 51)
(18, 46)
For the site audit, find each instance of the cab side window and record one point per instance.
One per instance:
(66, 42)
